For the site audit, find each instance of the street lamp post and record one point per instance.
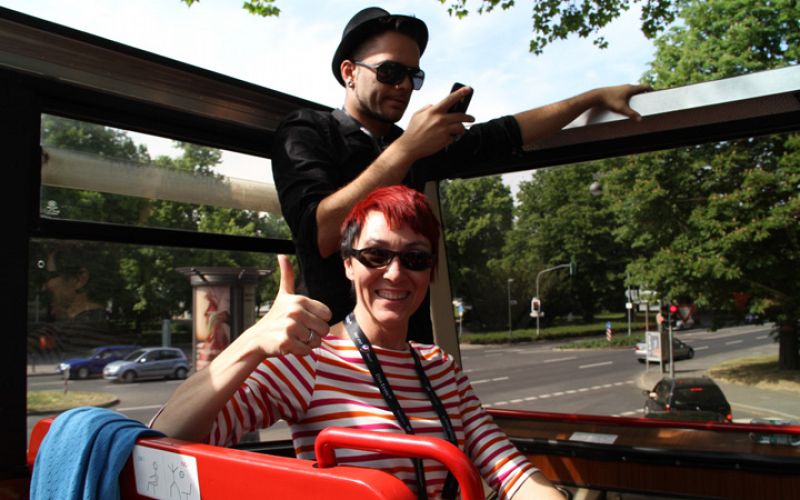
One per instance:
(510, 280)
(537, 288)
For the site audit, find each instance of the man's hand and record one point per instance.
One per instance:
(294, 324)
(432, 127)
(616, 99)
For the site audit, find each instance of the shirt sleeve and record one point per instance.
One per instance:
(280, 388)
(500, 463)
(481, 147)
(303, 168)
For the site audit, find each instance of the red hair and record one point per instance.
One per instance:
(400, 205)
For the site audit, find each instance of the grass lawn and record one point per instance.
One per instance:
(759, 371)
(58, 401)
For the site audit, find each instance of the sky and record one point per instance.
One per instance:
(292, 53)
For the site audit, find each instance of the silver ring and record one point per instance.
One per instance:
(310, 336)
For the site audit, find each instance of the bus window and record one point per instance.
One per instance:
(97, 173)
(700, 235)
(94, 308)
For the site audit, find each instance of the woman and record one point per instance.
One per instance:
(291, 366)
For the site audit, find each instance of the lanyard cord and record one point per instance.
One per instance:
(450, 489)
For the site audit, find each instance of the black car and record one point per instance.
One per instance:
(694, 398)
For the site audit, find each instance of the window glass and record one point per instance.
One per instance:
(92, 172)
(87, 295)
(606, 247)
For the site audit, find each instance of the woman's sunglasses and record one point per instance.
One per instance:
(394, 73)
(375, 257)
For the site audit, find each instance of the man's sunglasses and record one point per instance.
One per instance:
(375, 257)
(394, 73)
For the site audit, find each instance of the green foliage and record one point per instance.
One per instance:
(477, 214)
(558, 222)
(558, 19)
(552, 19)
(724, 38)
(263, 8)
(720, 221)
(593, 335)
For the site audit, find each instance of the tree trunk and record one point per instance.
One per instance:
(788, 356)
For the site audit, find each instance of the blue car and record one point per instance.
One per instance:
(95, 361)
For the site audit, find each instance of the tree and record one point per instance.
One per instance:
(552, 19)
(558, 222)
(147, 287)
(720, 221)
(477, 214)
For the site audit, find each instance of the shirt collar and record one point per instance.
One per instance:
(350, 125)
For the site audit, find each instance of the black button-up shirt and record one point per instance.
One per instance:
(316, 153)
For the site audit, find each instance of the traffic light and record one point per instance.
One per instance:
(536, 308)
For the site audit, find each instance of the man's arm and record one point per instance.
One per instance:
(540, 123)
(430, 130)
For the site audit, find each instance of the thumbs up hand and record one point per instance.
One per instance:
(294, 324)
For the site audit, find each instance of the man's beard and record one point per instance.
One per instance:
(377, 115)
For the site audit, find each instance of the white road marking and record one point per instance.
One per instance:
(594, 365)
(558, 393)
(555, 360)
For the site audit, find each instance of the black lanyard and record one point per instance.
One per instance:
(450, 489)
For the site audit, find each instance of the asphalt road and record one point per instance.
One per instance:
(534, 376)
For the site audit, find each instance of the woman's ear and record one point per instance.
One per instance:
(348, 268)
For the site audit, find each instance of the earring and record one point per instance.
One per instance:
(350, 84)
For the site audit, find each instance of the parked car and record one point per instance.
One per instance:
(150, 362)
(691, 398)
(94, 362)
(680, 350)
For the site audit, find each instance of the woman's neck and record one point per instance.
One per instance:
(386, 336)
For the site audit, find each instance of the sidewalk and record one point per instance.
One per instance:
(42, 369)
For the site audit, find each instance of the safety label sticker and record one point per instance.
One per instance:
(165, 475)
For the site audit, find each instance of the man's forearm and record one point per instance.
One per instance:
(389, 168)
(540, 123)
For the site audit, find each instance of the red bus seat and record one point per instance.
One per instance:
(225, 473)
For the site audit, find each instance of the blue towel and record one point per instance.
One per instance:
(83, 453)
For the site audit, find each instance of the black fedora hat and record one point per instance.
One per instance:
(369, 22)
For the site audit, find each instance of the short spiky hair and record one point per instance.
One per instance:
(400, 205)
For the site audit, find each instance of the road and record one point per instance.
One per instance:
(543, 377)
(534, 376)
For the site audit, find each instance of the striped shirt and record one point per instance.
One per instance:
(332, 386)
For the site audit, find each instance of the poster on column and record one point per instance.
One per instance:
(212, 322)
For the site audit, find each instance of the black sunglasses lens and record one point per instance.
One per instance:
(380, 257)
(416, 261)
(375, 257)
(417, 79)
(393, 73)
(390, 73)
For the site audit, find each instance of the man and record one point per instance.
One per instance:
(324, 162)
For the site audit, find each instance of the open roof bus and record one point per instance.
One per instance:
(50, 73)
